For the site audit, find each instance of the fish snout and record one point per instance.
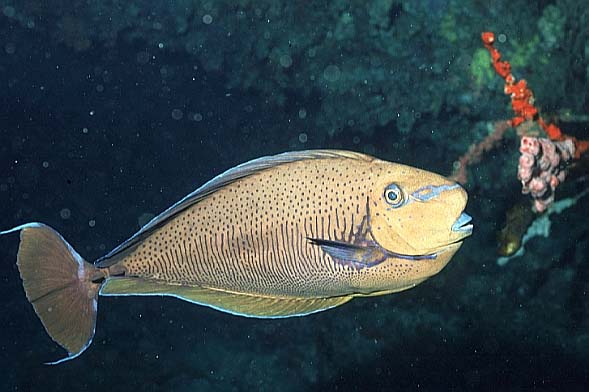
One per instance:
(462, 224)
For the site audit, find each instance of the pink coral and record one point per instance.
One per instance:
(542, 167)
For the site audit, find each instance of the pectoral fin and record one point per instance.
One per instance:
(357, 256)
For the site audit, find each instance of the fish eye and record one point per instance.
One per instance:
(394, 196)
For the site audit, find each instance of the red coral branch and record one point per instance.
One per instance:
(543, 163)
(476, 151)
(522, 100)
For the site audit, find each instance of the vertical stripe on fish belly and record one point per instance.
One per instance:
(251, 237)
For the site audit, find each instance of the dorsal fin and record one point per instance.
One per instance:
(238, 172)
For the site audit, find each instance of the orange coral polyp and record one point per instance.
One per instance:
(488, 37)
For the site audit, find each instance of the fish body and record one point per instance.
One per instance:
(279, 236)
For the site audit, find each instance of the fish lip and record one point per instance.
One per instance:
(449, 247)
(461, 225)
(431, 255)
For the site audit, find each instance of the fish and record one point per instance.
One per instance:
(278, 236)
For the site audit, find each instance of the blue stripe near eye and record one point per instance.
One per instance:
(428, 192)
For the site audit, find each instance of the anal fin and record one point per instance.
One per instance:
(241, 304)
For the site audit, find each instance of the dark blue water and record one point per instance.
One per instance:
(98, 129)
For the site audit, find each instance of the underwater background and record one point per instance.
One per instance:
(111, 111)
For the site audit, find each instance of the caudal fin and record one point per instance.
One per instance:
(59, 284)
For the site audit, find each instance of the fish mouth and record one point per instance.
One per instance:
(463, 225)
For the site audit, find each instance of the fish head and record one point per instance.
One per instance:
(419, 216)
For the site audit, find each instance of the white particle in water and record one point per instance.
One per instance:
(84, 130)
(91, 223)
(92, 112)
(332, 73)
(100, 88)
(207, 19)
(285, 60)
(65, 213)
(501, 38)
(177, 114)
(302, 113)
(303, 137)
(45, 164)
(9, 11)
(197, 117)
(10, 48)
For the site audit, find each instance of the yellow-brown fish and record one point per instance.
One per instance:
(279, 236)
